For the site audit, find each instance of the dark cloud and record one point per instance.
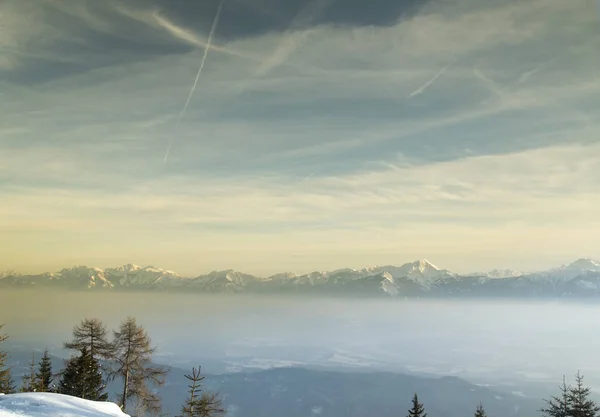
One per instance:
(98, 34)
(243, 18)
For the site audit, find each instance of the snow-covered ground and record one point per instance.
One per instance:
(54, 405)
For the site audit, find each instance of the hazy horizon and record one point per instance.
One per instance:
(506, 342)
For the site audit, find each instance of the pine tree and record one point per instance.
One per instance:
(82, 378)
(91, 334)
(29, 383)
(133, 357)
(578, 396)
(6, 383)
(201, 405)
(44, 376)
(69, 383)
(559, 406)
(480, 412)
(417, 409)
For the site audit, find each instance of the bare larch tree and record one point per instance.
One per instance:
(133, 357)
(92, 335)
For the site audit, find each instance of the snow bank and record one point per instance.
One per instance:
(55, 405)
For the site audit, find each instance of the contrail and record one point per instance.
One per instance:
(525, 76)
(489, 83)
(424, 87)
(310, 176)
(189, 98)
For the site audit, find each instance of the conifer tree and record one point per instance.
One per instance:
(44, 376)
(133, 357)
(417, 409)
(480, 412)
(82, 378)
(29, 380)
(559, 406)
(6, 383)
(199, 402)
(580, 404)
(69, 383)
(91, 334)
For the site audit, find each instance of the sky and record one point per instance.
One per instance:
(320, 134)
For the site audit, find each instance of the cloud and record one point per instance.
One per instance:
(21, 28)
(177, 31)
(552, 189)
(294, 36)
(8, 62)
(514, 187)
(503, 149)
(155, 19)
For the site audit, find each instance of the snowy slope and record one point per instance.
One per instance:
(498, 273)
(222, 281)
(54, 405)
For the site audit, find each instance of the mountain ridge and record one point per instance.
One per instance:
(415, 279)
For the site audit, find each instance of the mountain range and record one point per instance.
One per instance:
(580, 278)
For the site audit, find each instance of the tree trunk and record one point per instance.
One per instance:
(125, 386)
(126, 379)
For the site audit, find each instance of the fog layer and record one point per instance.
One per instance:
(486, 342)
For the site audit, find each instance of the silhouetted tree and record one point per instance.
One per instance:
(29, 383)
(44, 376)
(91, 334)
(559, 406)
(417, 409)
(199, 402)
(82, 378)
(7, 385)
(133, 357)
(580, 404)
(480, 412)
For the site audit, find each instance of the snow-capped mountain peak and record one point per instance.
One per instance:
(424, 265)
(159, 271)
(497, 273)
(128, 268)
(283, 275)
(584, 264)
(7, 273)
(421, 272)
(579, 268)
(388, 276)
